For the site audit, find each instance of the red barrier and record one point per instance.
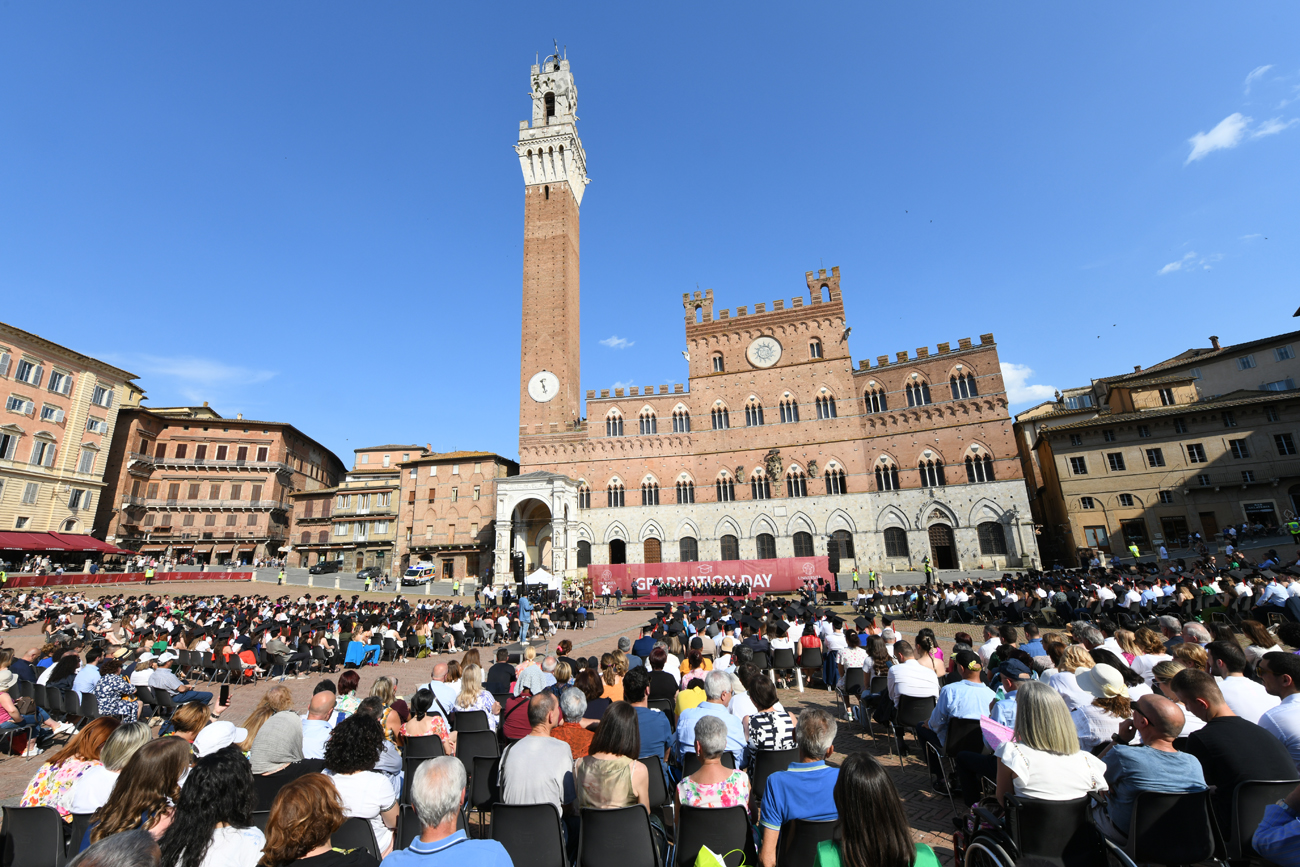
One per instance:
(764, 576)
(75, 579)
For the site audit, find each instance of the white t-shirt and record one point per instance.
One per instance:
(1145, 664)
(1248, 699)
(1049, 777)
(140, 677)
(742, 706)
(234, 847)
(92, 789)
(366, 794)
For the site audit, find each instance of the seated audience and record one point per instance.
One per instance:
(656, 729)
(573, 708)
(967, 698)
(663, 683)
(805, 790)
(538, 768)
(132, 849)
(1280, 672)
(318, 724)
(1097, 722)
(423, 723)
(92, 788)
(908, 678)
(114, 693)
(713, 785)
(277, 758)
(52, 785)
(145, 791)
(1155, 766)
(276, 700)
(1230, 749)
(771, 727)
(717, 692)
(212, 824)
(304, 816)
(350, 757)
(873, 830)
(1247, 698)
(610, 775)
(589, 682)
(1277, 838)
(437, 792)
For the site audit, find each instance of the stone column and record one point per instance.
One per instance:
(504, 546)
(559, 545)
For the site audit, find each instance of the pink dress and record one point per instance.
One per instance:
(731, 792)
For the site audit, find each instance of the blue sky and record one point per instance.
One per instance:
(312, 212)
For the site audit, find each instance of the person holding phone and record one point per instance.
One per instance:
(165, 679)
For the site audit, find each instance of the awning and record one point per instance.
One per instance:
(17, 541)
(147, 549)
(181, 547)
(239, 549)
(202, 549)
(222, 549)
(88, 543)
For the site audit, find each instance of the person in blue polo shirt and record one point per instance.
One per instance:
(1033, 644)
(968, 698)
(1013, 673)
(437, 792)
(804, 790)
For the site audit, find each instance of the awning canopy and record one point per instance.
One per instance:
(222, 549)
(202, 549)
(87, 543)
(19, 541)
(146, 549)
(541, 576)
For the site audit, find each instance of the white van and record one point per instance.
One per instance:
(421, 574)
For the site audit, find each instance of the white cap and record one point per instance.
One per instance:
(169, 656)
(146, 657)
(218, 735)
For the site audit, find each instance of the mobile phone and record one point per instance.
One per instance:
(225, 695)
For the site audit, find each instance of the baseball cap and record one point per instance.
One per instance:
(146, 657)
(168, 656)
(1014, 669)
(218, 735)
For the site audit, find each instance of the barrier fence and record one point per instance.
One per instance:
(81, 579)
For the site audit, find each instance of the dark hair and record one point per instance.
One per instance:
(1290, 634)
(740, 654)
(219, 789)
(964, 638)
(503, 655)
(590, 684)
(93, 654)
(354, 745)
(150, 778)
(1281, 663)
(64, 667)
(1102, 656)
(348, 681)
(762, 693)
(747, 673)
(1194, 683)
(110, 666)
(635, 684)
(694, 659)
(1229, 653)
(618, 732)
(325, 685)
(658, 657)
(878, 655)
(373, 706)
(1007, 633)
(872, 830)
(420, 703)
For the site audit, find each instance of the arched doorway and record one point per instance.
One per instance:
(617, 551)
(530, 525)
(943, 548)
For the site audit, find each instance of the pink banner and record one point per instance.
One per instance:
(100, 578)
(785, 575)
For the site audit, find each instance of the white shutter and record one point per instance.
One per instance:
(85, 502)
(35, 459)
(108, 398)
(58, 415)
(37, 372)
(49, 455)
(29, 409)
(4, 364)
(67, 385)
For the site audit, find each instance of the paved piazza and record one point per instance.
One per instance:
(928, 813)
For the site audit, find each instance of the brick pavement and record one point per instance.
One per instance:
(928, 814)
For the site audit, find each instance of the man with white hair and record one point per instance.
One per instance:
(717, 695)
(437, 793)
(806, 789)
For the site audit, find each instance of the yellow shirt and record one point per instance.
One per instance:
(686, 665)
(689, 698)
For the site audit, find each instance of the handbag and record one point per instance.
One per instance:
(708, 858)
(25, 705)
(968, 825)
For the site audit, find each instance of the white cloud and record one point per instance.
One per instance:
(1177, 265)
(1228, 134)
(195, 379)
(1255, 74)
(616, 342)
(1250, 237)
(1272, 127)
(627, 384)
(1015, 378)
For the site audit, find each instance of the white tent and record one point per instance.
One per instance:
(541, 576)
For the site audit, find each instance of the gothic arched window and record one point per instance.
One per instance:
(826, 407)
(584, 553)
(979, 468)
(649, 493)
(681, 421)
(789, 410)
(886, 476)
(766, 544)
(614, 494)
(814, 348)
(688, 549)
(876, 400)
(721, 420)
(993, 540)
(759, 487)
(931, 473)
(730, 547)
(835, 481)
(796, 483)
(649, 423)
(895, 542)
(726, 489)
(614, 424)
(584, 496)
(685, 491)
(803, 544)
(918, 393)
(753, 413)
(963, 385)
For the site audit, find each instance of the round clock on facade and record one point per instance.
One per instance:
(543, 386)
(764, 352)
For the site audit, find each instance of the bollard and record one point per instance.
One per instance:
(336, 581)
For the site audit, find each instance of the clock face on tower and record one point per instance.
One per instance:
(543, 386)
(764, 352)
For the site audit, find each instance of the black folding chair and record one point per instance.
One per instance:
(797, 844)
(33, 837)
(530, 833)
(1167, 829)
(484, 785)
(763, 765)
(259, 818)
(1058, 832)
(726, 832)
(356, 833)
(661, 800)
(618, 838)
(964, 735)
(470, 745)
(1249, 800)
(911, 711)
(470, 721)
(665, 706)
(409, 827)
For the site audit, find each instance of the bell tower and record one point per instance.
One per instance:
(555, 177)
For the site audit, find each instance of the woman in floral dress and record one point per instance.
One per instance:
(713, 785)
(115, 693)
(53, 782)
(423, 723)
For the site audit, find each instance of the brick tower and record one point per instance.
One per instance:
(555, 176)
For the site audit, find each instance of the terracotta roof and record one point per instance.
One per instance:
(1236, 398)
(417, 448)
(1157, 380)
(443, 456)
(1195, 355)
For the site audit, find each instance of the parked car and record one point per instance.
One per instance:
(370, 572)
(325, 567)
(417, 575)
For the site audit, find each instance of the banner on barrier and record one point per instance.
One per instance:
(80, 579)
(783, 575)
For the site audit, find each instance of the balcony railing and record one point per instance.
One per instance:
(243, 505)
(212, 463)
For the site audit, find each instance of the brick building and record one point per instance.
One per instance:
(1188, 445)
(60, 414)
(448, 510)
(355, 521)
(777, 445)
(185, 482)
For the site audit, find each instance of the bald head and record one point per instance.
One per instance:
(1164, 718)
(322, 705)
(440, 671)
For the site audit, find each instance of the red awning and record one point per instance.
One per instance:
(88, 543)
(19, 541)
